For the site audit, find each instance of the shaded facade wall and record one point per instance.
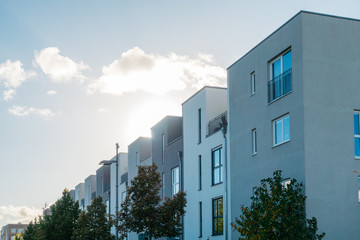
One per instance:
(90, 189)
(80, 194)
(103, 183)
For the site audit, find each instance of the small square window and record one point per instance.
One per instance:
(281, 130)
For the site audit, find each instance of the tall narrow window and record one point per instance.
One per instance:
(281, 130)
(217, 216)
(200, 181)
(199, 125)
(163, 147)
(280, 76)
(200, 219)
(217, 166)
(252, 83)
(175, 182)
(359, 189)
(254, 141)
(163, 186)
(356, 134)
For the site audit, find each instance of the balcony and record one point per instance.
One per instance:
(279, 86)
(214, 124)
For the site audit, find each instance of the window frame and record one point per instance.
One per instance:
(200, 172)
(216, 216)
(253, 141)
(199, 125)
(280, 56)
(218, 168)
(356, 136)
(252, 83)
(274, 128)
(175, 185)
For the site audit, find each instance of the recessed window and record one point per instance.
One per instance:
(357, 135)
(199, 125)
(218, 216)
(254, 141)
(200, 219)
(175, 182)
(252, 83)
(163, 186)
(281, 130)
(280, 76)
(200, 173)
(217, 166)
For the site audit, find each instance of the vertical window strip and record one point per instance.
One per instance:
(163, 148)
(254, 141)
(200, 173)
(252, 82)
(175, 180)
(199, 125)
(200, 219)
(217, 166)
(163, 186)
(357, 134)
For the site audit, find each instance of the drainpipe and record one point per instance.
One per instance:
(180, 155)
(224, 126)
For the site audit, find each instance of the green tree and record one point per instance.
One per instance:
(94, 224)
(277, 212)
(142, 211)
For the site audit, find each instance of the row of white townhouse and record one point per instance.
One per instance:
(292, 104)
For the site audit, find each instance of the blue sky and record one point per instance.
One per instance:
(78, 76)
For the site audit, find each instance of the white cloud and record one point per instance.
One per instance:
(11, 214)
(9, 94)
(23, 111)
(58, 67)
(51, 92)
(137, 70)
(12, 75)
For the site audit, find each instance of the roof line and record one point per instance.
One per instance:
(214, 87)
(302, 11)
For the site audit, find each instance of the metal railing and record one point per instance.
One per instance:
(214, 124)
(279, 86)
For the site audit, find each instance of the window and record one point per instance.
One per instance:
(356, 135)
(359, 189)
(137, 158)
(216, 166)
(281, 130)
(252, 83)
(199, 125)
(218, 216)
(254, 141)
(200, 219)
(163, 148)
(280, 76)
(200, 182)
(175, 182)
(163, 186)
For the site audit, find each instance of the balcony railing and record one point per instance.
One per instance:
(279, 86)
(214, 124)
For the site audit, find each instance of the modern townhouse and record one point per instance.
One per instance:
(204, 163)
(166, 154)
(139, 154)
(90, 190)
(294, 106)
(103, 184)
(80, 195)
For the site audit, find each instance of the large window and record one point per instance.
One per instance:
(217, 216)
(175, 182)
(281, 130)
(217, 176)
(357, 134)
(280, 76)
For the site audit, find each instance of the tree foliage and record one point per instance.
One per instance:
(58, 225)
(277, 212)
(142, 211)
(94, 224)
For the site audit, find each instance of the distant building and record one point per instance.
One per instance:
(8, 232)
(80, 194)
(90, 189)
(103, 184)
(204, 159)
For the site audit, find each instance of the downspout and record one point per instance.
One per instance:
(224, 126)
